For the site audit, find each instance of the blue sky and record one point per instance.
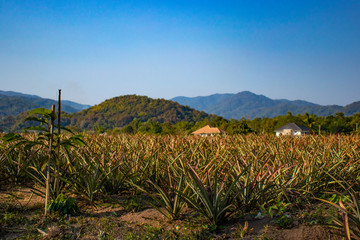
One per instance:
(96, 50)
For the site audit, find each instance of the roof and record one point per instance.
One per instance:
(208, 130)
(293, 126)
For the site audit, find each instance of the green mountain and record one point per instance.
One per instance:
(120, 111)
(14, 103)
(249, 105)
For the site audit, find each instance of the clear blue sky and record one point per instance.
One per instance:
(95, 50)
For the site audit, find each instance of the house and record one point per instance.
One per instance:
(292, 129)
(208, 131)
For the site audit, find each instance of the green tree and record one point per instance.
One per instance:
(128, 129)
(240, 127)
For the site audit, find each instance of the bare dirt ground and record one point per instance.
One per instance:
(21, 217)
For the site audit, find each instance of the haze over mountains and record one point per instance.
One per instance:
(249, 105)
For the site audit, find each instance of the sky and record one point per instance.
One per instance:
(96, 50)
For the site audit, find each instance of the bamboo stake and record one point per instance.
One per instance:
(58, 145)
(47, 197)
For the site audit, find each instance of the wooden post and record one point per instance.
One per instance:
(47, 197)
(356, 126)
(58, 145)
(319, 129)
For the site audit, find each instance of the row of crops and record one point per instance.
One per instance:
(213, 176)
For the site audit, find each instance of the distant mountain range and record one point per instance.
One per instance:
(120, 111)
(14, 103)
(249, 105)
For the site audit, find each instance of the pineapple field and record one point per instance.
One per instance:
(180, 187)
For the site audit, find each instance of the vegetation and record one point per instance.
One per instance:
(66, 206)
(327, 125)
(220, 179)
(120, 111)
(140, 114)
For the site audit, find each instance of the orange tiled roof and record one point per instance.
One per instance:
(208, 130)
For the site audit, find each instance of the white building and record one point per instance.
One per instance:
(292, 129)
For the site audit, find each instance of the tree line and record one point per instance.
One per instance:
(333, 124)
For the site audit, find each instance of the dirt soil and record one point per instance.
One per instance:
(111, 219)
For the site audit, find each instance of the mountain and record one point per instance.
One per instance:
(249, 105)
(17, 94)
(14, 103)
(74, 105)
(352, 108)
(202, 102)
(120, 111)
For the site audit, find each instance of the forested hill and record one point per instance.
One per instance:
(120, 111)
(14, 103)
(249, 105)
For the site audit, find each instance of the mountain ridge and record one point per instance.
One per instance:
(15, 103)
(228, 105)
(250, 105)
